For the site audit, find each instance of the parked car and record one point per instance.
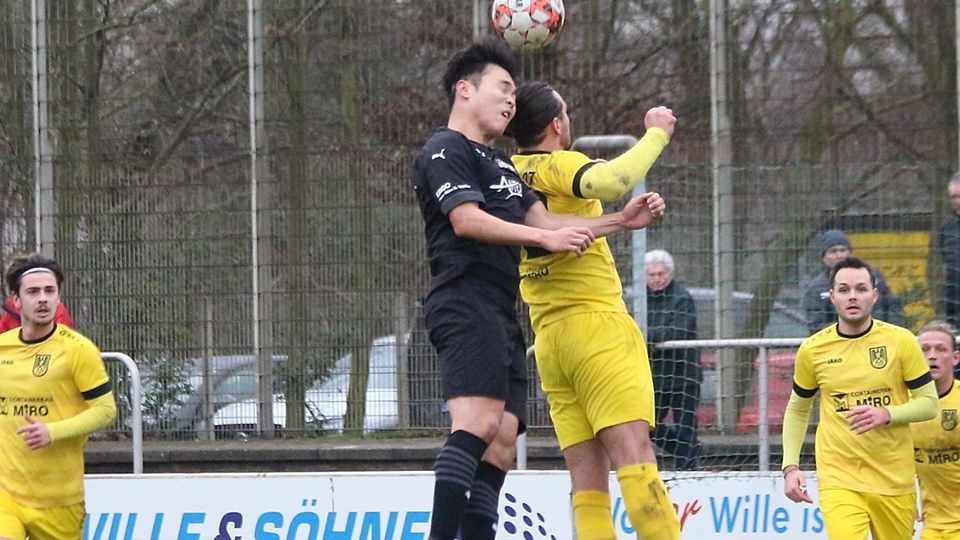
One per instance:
(326, 401)
(174, 394)
(232, 379)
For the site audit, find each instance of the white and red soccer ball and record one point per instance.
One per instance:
(527, 24)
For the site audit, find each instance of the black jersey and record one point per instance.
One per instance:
(451, 170)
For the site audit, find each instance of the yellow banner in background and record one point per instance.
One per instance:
(902, 257)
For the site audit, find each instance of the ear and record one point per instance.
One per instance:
(16, 301)
(556, 125)
(463, 89)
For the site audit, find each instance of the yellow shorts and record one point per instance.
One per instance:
(594, 371)
(49, 523)
(848, 515)
(929, 533)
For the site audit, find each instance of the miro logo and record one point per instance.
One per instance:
(520, 520)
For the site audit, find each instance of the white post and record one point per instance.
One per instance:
(136, 404)
(763, 405)
(477, 20)
(42, 149)
(723, 247)
(257, 166)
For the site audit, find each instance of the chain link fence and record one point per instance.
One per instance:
(224, 186)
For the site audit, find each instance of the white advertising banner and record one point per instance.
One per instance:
(535, 505)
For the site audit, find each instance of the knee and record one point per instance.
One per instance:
(501, 452)
(484, 426)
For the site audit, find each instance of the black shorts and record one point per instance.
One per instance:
(473, 325)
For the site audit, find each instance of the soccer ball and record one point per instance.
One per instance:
(527, 24)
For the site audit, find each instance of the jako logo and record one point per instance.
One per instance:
(520, 521)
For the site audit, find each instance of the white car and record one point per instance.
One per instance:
(326, 401)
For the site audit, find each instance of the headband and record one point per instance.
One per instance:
(37, 269)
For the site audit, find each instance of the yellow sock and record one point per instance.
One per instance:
(591, 515)
(648, 505)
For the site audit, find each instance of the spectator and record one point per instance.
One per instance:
(834, 247)
(948, 243)
(10, 318)
(676, 372)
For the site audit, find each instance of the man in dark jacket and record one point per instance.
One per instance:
(834, 247)
(676, 372)
(948, 244)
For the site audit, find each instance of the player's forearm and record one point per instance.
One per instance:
(599, 225)
(611, 180)
(100, 413)
(795, 420)
(471, 222)
(923, 405)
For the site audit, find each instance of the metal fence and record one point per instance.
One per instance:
(231, 179)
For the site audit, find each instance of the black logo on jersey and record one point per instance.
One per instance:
(878, 357)
(41, 363)
(840, 402)
(835, 361)
(536, 273)
(948, 419)
(3, 406)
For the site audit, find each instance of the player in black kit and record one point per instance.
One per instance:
(477, 214)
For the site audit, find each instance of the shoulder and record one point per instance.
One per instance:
(820, 338)
(680, 291)
(953, 396)
(443, 144)
(571, 156)
(819, 281)
(889, 329)
(76, 341)
(10, 336)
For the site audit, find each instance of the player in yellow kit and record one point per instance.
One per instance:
(873, 382)
(590, 354)
(54, 391)
(936, 443)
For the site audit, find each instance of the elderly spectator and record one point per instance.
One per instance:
(676, 372)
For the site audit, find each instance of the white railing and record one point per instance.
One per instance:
(763, 393)
(136, 406)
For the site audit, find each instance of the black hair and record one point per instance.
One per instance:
(537, 106)
(469, 64)
(852, 262)
(22, 263)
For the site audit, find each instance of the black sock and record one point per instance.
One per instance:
(480, 517)
(455, 468)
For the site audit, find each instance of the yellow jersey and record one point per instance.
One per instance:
(48, 379)
(936, 451)
(556, 285)
(876, 368)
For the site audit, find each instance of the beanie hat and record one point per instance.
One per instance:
(831, 238)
